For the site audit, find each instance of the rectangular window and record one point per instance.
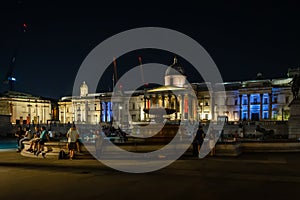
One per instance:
(255, 100)
(287, 99)
(133, 117)
(244, 115)
(265, 115)
(236, 115)
(265, 100)
(206, 116)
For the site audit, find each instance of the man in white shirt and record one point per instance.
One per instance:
(72, 136)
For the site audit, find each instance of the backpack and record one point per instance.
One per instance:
(62, 154)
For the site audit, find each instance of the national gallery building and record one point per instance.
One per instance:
(256, 100)
(23, 108)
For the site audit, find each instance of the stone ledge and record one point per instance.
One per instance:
(52, 150)
(228, 149)
(270, 147)
(222, 149)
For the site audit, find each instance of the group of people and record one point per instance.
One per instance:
(40, 135)
(36, 139)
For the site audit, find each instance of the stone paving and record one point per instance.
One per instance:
(249, 176)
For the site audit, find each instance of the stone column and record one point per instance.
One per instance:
(74, 112)
(270, 106)
(145, 106)
(86, 106)
(65, 110)
(241, 101)
(183, 106)
(101, 111)
(248, 98)
(170, 100)
(212, 106)
(175, 105)
(106, 112)
(261, 106)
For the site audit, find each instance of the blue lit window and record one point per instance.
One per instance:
(255, 100)
(244, 115)
(265, 115)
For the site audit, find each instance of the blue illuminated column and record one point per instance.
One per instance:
(240, 106)
(248, 110)
(103, 112)
(270, 105)
(106, 112)
(261, 106)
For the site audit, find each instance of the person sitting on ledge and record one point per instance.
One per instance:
(43, 138)
(34, 141)
(19, 134)
(28, 135)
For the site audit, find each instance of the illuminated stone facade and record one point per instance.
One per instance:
(25, 108)
(254, 100)
(259, 99)
(129, 107)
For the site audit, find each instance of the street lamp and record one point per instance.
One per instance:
(120, 108)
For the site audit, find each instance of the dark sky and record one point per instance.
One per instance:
(242, 38)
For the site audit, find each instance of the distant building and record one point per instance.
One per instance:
(25, 108)
(130, 107)
(258, 99)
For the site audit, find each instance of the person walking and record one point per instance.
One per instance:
(198, 140)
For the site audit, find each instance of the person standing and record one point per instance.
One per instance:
(72, 136)
(198, 140)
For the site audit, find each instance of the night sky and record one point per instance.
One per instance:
(243, 39)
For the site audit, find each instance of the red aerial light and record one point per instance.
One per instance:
(25, 25)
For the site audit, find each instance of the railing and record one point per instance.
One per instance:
(267, 122)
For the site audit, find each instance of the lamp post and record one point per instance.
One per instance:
(120, 109)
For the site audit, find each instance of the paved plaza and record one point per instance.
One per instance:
(249, 176)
